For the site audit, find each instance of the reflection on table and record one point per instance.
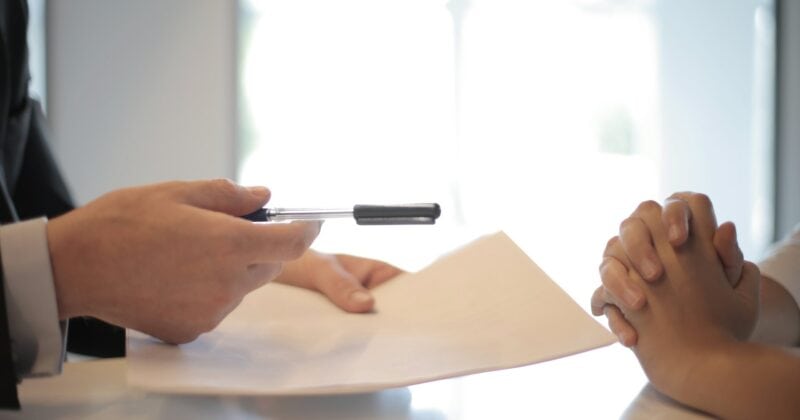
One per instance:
(605, 383)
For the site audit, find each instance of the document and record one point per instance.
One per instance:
(483, 307)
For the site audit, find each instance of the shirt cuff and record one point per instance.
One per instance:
(37, 337)
(783, 264)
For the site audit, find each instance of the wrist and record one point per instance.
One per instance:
(62, 262)
(705, 373)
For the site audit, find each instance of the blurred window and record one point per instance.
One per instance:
(548, 119)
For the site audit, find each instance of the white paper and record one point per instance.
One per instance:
(484, 307)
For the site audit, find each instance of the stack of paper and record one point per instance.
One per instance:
(484, 307)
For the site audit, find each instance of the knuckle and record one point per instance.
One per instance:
(625, 225)
(225, 186)
(632, 232)
(597, 301)
(680, 195)
(609, 278)
(603, 267)
(649, 206)
(700, 200)
(675, 209)
(613, 242)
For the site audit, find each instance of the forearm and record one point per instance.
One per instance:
(745, 381)
(779, 320)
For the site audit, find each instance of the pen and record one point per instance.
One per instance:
(365, 214)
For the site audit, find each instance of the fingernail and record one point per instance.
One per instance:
(674, 233)
(649, 269)
(360, 297)
(632, 298)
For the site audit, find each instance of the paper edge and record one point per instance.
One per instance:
(352, 388)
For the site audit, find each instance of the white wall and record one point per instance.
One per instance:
(36, 50)
(788, 129)
(716, 109)
(141, 91)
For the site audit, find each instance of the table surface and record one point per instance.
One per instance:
(604, 383)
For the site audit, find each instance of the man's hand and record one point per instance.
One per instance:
(634, 248)
(170, 260)
(344, 279)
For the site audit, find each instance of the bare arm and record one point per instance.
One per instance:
(693, 331)
(744, 381)
(779, 320)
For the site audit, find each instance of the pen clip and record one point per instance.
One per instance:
(405, 214)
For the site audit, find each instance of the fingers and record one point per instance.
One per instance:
(600, 300)
(730, 254)
(703, 221)
(620, 326)
(223, 196)
(371, 272)
(676, 216)
(618, 289)
(637, 244)
(625, 333)
(344, 290)
(278, 241)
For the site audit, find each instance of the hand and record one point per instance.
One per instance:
(344, 279)
(693, 311)
(634, 248)
(170, 260)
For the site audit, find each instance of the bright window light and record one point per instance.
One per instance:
(548, 119)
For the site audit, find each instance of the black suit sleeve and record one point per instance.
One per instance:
(41, 191)
(8, 378)
(30, 186)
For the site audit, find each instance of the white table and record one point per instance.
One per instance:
(602, 384)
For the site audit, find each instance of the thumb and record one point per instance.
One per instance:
(727, 247)
(225, 196)
(344, 290)
(749, 286)
(748, 291)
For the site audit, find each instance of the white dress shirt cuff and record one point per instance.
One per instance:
(783, 264)
(37, 337)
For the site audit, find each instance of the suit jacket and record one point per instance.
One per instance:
(31, 186)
